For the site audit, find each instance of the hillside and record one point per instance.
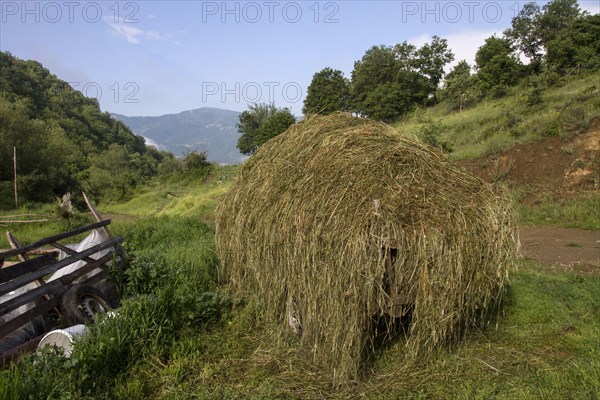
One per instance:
(63, 141)
(206, 129)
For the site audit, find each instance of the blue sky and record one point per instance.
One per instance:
(159, 57)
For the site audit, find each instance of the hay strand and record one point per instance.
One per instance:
(348, 220)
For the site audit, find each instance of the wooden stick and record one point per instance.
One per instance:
(15, 170)
(23, 215)
(96, 214)
(52, 239)
(24, 221)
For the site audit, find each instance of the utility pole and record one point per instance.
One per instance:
(15, 170)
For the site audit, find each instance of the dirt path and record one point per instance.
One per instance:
(562, 248)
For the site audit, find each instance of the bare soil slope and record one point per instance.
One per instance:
(554, 167)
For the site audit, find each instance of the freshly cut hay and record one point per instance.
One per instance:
(343, 219)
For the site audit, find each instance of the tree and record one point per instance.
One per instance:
(402, 76)
(460, 87)
(378, 66)
(249, 121)
(524, 32)
(259, 124)
(385, 82)
(274, 125)
(497, 65)
(196, 165)
(430, 61)
(329, 91)
(577, 46)
(558, 15)
(112, 173)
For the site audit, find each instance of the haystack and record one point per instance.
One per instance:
(340, 220)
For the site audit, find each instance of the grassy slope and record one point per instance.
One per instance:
(188, 199)
(491, 126)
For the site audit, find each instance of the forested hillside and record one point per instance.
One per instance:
(63, 141)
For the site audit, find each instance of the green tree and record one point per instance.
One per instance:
(385, 83)
(524, 32)
(460, 87)
(260, 123)
(274, 125)
(196, 165)
(249, 121)
(329, 91)
(558, 15)
(402, 76)
(579, 45)
(497, 65)
(430, 61)
(113, 173)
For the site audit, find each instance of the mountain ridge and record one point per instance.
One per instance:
(207, 129)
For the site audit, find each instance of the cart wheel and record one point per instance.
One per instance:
(81, 303)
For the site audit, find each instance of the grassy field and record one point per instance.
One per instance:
(179, 334)
(187, 198)
(492, 125)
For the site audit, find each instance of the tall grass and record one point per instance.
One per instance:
(170, 295)
(582, 211)
(492, 125)
(187, 198)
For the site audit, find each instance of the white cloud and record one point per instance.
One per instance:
(150, 142)
(132, 33)
(464, 44)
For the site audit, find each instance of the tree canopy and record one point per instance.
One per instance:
(63, 141)
(329, 91)
(388, 81)
(260, 123)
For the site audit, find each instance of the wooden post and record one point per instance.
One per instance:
(15, 171)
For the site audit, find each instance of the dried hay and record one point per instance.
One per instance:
(346, 219)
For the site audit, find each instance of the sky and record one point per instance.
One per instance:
(145, 58)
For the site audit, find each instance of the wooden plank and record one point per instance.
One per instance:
(56, 288)
(52, 239)
(96, 278)
(12, 355)
(53, 287)
(27, 316)
(28, 297)
(70, 251)
(26, 215)
(25, 267)
(15, 244)
(96, 214)
(22, 280)
(37, 252)
(29, 221)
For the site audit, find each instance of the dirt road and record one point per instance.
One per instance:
(562, 248)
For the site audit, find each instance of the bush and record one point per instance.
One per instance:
(170, 287)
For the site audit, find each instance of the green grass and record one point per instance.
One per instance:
(186, 198)
(582, 211)
(545, 345)
(491, 126)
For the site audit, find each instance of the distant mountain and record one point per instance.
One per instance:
(203, 129)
